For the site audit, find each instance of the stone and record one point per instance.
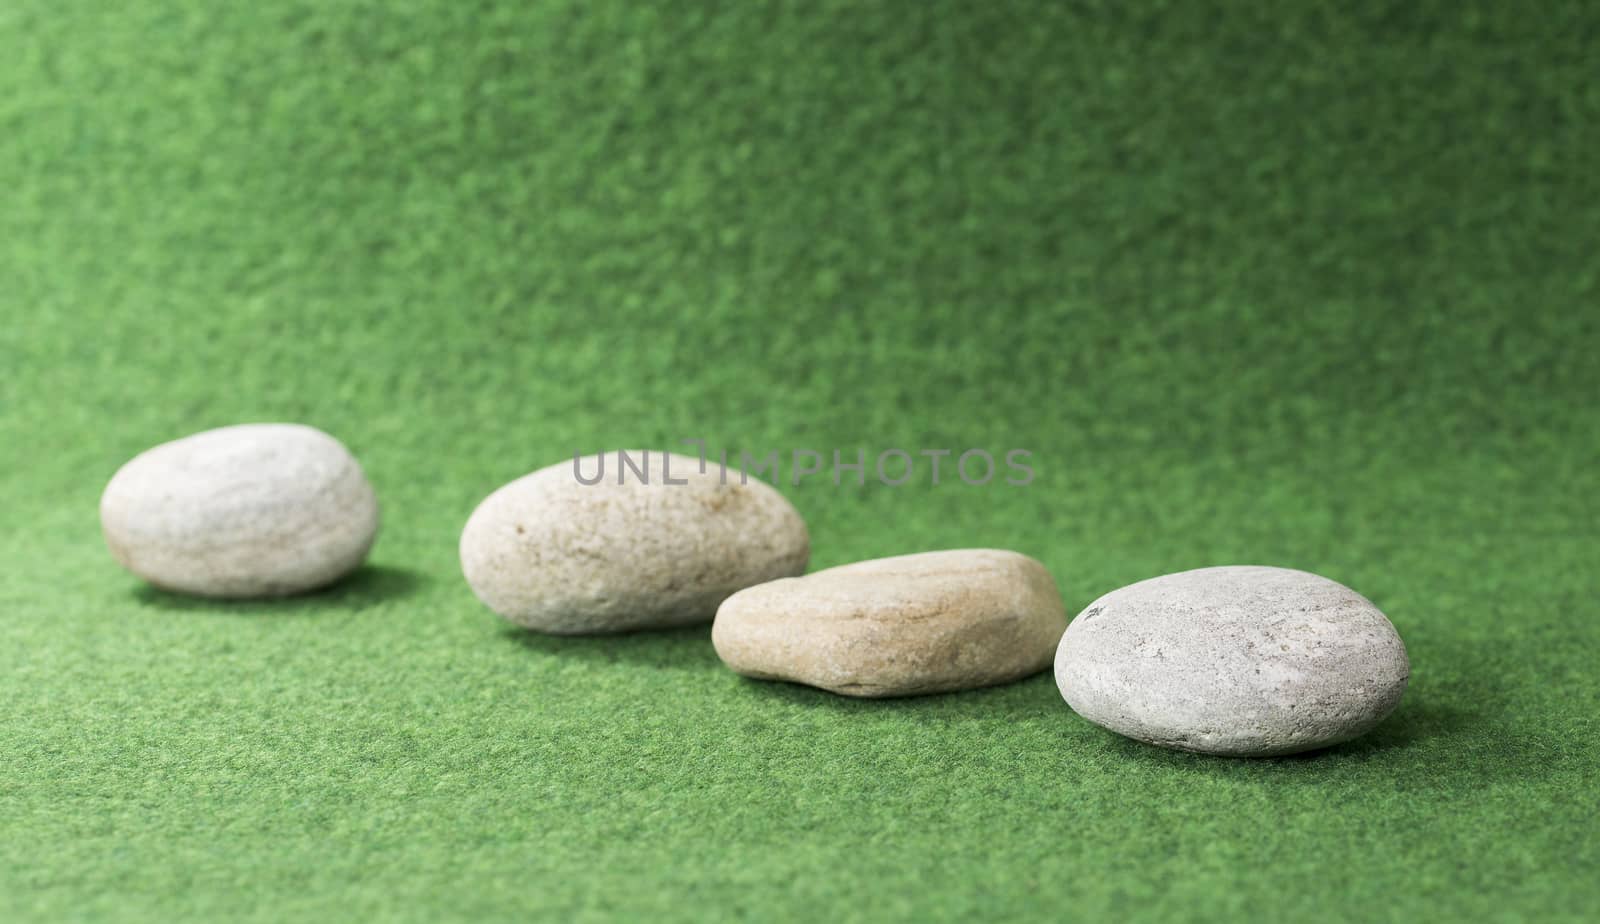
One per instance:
(636, 550)
(255, 510)
(1242, 661)
(927, 623)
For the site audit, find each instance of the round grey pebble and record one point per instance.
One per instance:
(254, 510)
(1244, 661)
(551, 553)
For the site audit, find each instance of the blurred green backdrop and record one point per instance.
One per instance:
(1281, 285)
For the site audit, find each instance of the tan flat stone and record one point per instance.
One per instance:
(926, 623)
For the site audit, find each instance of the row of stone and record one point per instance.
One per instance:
(1234, 660)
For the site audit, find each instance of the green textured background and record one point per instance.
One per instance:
(1316, 289)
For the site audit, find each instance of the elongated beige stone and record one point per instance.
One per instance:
(254, 510)
(926, 623)
(651, 549)
(1245, 661)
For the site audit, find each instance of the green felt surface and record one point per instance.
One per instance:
(1288, 286)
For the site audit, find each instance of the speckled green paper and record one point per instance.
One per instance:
(1254, 283)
